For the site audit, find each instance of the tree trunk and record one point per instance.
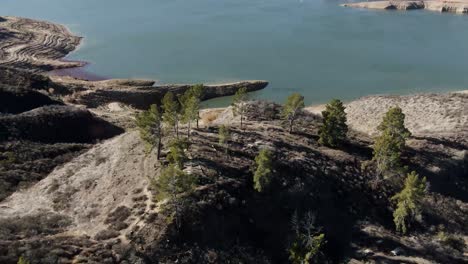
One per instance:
(159, 147)
(198, 117)
(241, 122)
(188, 130)
(290, 126)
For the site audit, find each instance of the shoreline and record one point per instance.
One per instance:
(78, 73)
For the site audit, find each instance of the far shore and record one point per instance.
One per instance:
(458, 6)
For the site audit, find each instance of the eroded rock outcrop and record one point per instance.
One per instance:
(35, 45)
(140, 93)
(56, 124)
(17, 100)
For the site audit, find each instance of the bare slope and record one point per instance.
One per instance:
(88, 188)
(438, 115)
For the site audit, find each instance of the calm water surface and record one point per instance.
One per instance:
(314, 47)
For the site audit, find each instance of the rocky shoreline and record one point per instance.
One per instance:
(40, 46)
(459, 7)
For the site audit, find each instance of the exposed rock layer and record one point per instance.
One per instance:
(56, 124)
(140, 93)
(18, 100)
(35, 45)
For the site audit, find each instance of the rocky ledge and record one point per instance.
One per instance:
(35, 45)
(460, 7)
(139, 93)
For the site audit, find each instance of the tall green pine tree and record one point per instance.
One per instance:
(334, 128)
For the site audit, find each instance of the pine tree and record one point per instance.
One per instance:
(224, 136)
(388, 147)
(263, 170)
(171, 112)
(292, 108)
(176, 153)
(409, 202)
(308, 241)
(149, 124)
(333, 130)
(172, 182)
(198, 92)
(239, 106)
(191, 107)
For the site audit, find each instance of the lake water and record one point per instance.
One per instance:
(314, 47)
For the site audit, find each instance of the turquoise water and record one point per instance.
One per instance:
(314, 47)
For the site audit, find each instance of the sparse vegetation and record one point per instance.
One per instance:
(22, 260)
(239, 107)
(409, 202)
(224, 135)
(149, 124)
(389, 145)
(451, 240)
(263, 170)
(334, 128)
(292, 108)
(8, 158)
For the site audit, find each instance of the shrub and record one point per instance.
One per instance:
(263, 171)
(224, 136)
(8, 158)
(453, 241)
(22, 260)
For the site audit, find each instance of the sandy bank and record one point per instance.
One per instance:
(439, 115)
